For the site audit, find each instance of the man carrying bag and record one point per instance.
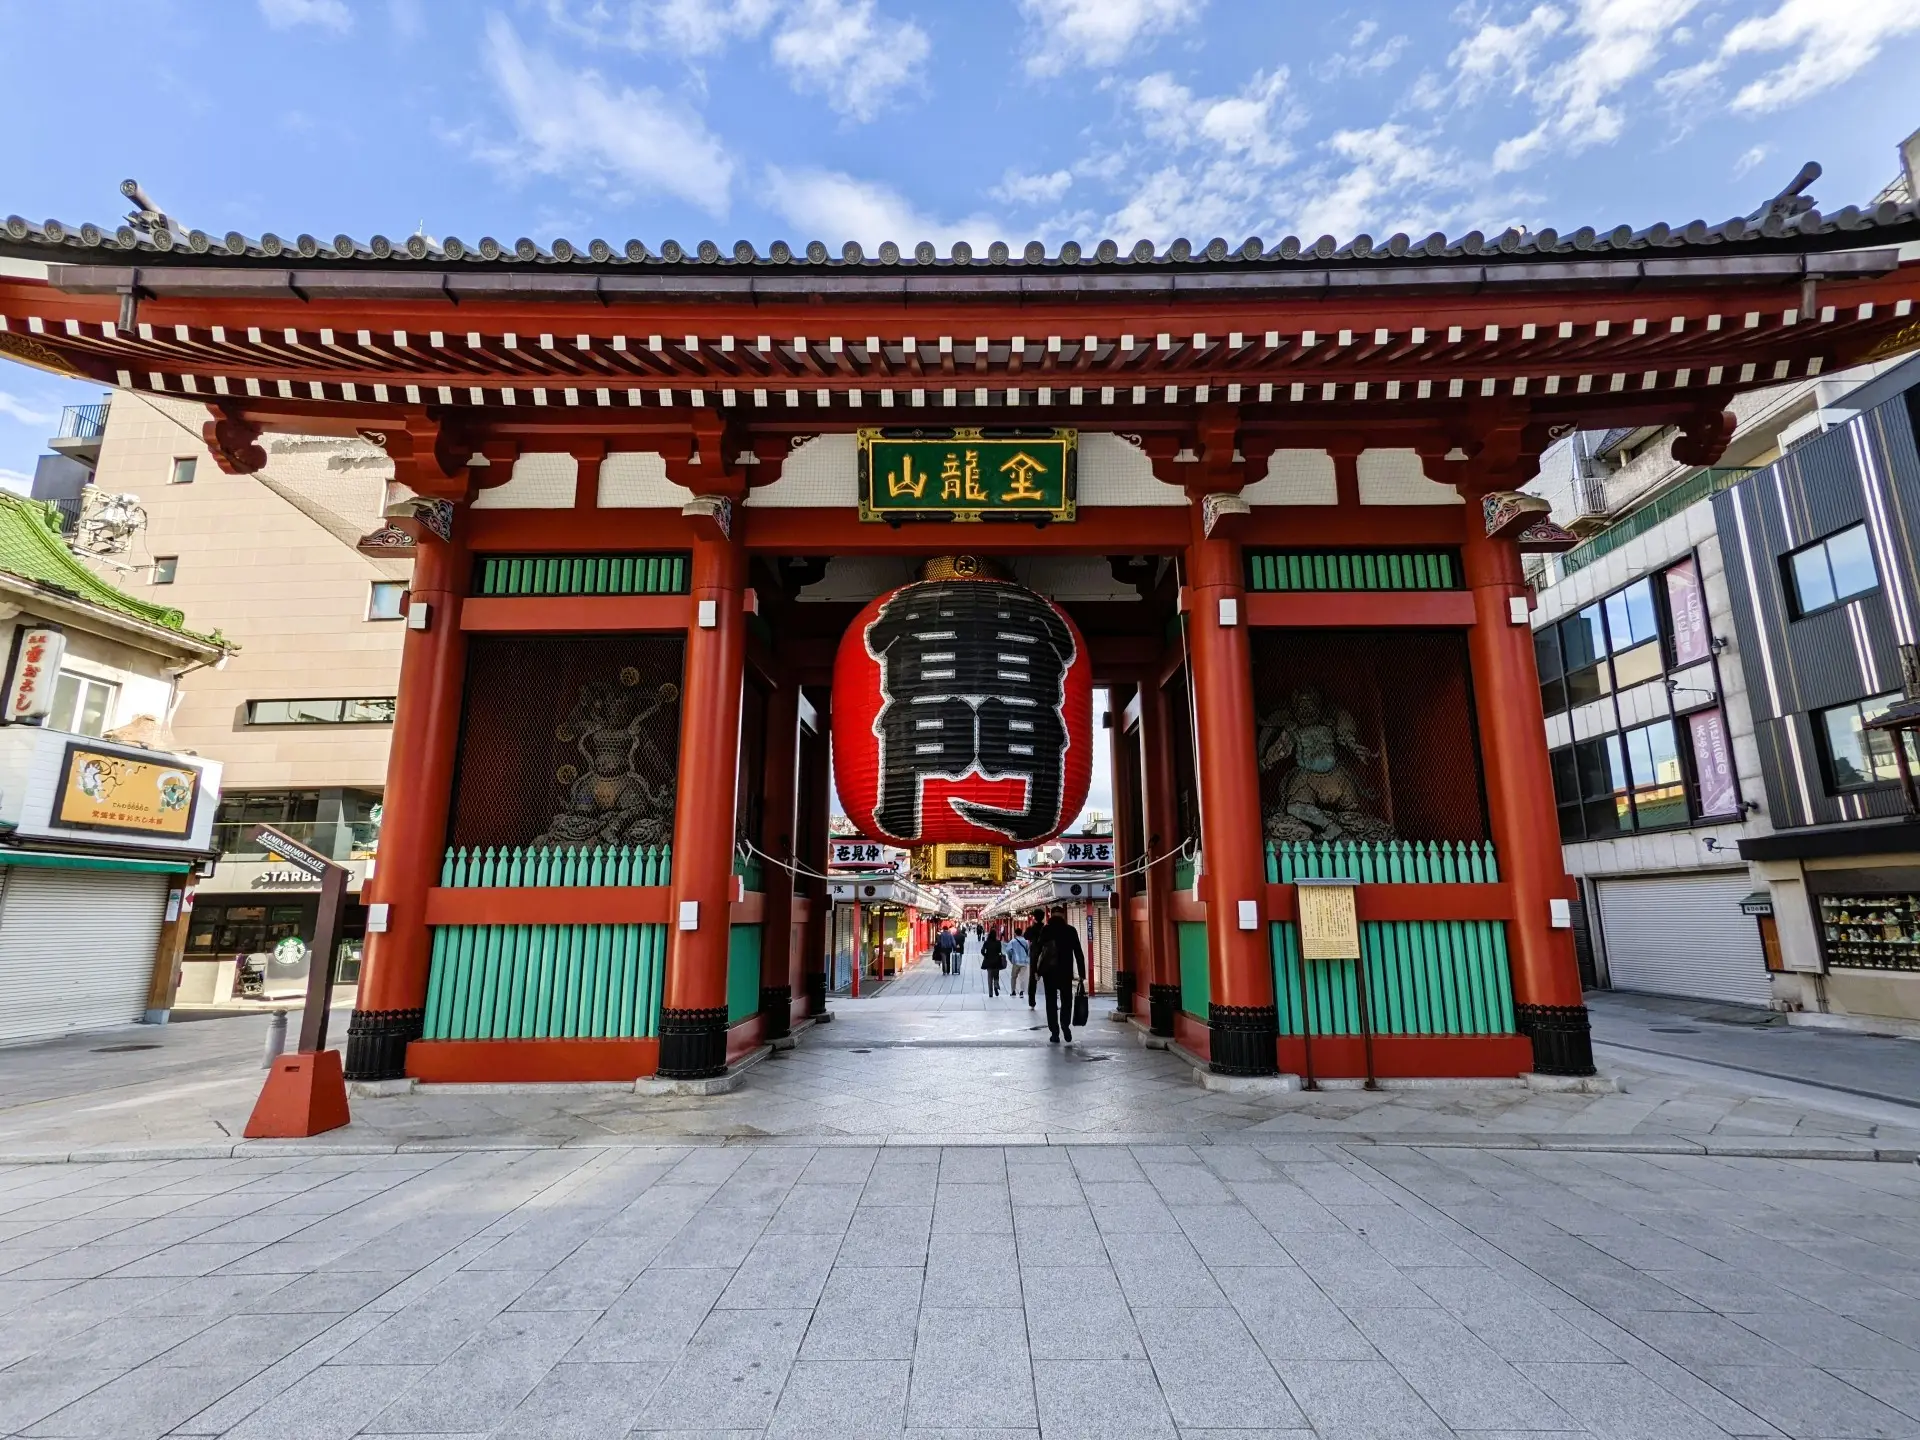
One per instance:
(1062, 960)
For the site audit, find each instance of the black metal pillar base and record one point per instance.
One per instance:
(1562, 1038)
(1163, 1003)
(817, 994)
(377, 1042)
(693, 1044)
(1123, 991)
(776, 1012)
(1243, 1039)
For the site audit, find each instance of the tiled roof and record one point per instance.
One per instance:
(1787, 223)
(31, 549)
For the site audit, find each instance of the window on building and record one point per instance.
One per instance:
(82, 705)
(1634, 635)
(165, 568)
(1546, 655)
(1856, 756)
(1659, 783)
(1832, 570)
(374, 710)
(292, 812)
(183, 469)
(1583, 643)
(383, 602)
(1591, 789)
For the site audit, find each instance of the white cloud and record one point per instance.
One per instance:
(1750, 161)
(574, 124)
(1620, 40)
(15, 408)
(13, 480)
(1098, 33)
(1246, 125)
(704, 27)
(1362, 56)
(1018, 189)
(1388, 174)
(859, 60)
(1828, 43)
(835, 207)
(327, 14)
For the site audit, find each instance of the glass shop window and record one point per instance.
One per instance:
(1546, 655)
(1871, 932)
(1659, 781)
(1583, 643)
(1831, 571)
(1605, 808)
(1855, 756)
(1633, 632)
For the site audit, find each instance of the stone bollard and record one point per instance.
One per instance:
(276, 1040)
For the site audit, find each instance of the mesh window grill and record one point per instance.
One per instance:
(750, 790)
(1366, 735)
(1186, 787)
(568, 740)
(658, 573)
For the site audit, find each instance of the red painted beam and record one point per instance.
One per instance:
(548, 905)
(1411, 902)
(575, 614)
(474, 1062)
(1360, 609)
(1398, 1057)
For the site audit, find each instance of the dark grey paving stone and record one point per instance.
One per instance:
(901, 1185)
(1831, 1341)
(730, 1374)
(1031, 1185)
(1163, 1271)
(1695, 1339)
(1099, 1399)
(241, 1401)
(1058, 1235)
(1617, 1400)
(35, 1389)
(972, 1271)
(783, 1272)
(143, 1404)
(816, 1209)
(441, 1321)
(830, 1398)
(1505, 1318)
(865, 1313)
(1358, 1397)
(1228, 1235)
(1079, 1313)
(1211, 1371)
(972, 1208)
(711, 1238)
(1899, 1389)
(336, 1293)
(888, 1235)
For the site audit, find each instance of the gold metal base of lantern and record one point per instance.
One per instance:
(963, 567)
(977, 864)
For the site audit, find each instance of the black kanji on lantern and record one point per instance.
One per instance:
(972, 672)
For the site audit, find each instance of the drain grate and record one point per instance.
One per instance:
(123, 1049)
(1673, 1030)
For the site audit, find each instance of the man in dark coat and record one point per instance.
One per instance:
(943, 949)
(1064, 960)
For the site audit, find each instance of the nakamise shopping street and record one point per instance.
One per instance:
(686, 523)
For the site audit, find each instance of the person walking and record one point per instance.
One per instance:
(1018, 954)
(1065, 960)
(943, 948)
(993, 960)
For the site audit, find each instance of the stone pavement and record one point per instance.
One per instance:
(939, 1062)
(1258, 1289)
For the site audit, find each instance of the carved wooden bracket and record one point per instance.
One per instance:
(234, 442)
(705, 458)
(432, 452)
(1703, 437)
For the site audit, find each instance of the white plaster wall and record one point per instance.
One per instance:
(541, 480)
(637, 480)
(1295, 477)
(1115, 471)
(1396, 477)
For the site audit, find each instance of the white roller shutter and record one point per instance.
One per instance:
(1683, 935)
(76, 948)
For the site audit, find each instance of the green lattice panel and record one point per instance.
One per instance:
(1424, 977)
(661, 573)
(1353, 570)
(538, 982)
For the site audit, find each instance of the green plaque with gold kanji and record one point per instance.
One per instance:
(967, 474)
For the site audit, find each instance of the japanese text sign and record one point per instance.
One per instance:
(967, 473)
(1329, 923)
(37, 654)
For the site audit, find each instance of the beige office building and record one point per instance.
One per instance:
(301, 714)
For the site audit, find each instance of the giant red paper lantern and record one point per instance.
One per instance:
(963, 712)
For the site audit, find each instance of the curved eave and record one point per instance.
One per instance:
(104, 620)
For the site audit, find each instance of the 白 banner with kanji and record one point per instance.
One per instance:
(969, 474)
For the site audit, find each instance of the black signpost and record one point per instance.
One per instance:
(326, 927)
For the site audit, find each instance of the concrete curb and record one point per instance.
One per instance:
(1809, 1148)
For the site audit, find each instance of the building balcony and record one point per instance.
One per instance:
(82, 429)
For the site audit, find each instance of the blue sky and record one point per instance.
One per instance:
(911, 119)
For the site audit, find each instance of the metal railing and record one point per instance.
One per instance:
(84, 422)
(1688, 492)
(513, 867)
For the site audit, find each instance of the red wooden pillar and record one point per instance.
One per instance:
(1126, 855)
(693, 1016)
(778, 789)
(413, 830)
(809, 964)
(1233, 881)
(1162, 959)
(1548, 1007)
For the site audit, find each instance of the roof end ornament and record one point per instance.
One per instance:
(1792, 201)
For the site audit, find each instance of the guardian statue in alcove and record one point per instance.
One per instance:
(609, 799)
(1321, 796)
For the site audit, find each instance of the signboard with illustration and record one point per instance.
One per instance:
(107, 790)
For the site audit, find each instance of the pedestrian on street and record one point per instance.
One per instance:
(1064, 961)
(1018, 954)
(1036, 953)
(943, 948)
(993, 960)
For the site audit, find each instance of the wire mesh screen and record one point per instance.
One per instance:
(1186, 787)
(1366, 735)
(568, 740)
(750, 791)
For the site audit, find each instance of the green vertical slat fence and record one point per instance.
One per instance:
(1353, 570)
(1384, 862)
(540, 982)
(662, 573)
(1424, 977)
(503, 867)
